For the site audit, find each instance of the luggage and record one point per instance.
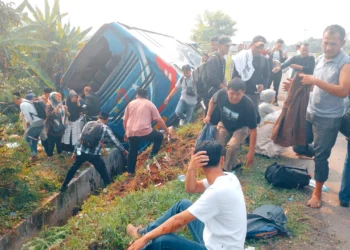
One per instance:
(208, 133)
(117, 162)
(287, 177)
(92, 134)
(265, 222)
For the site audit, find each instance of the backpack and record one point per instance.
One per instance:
(200, 79)
(208, 133)
(117, 162)
(287, 177)
(92, 134)
(40, 108)
(266, 222)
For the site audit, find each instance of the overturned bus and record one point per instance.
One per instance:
(119, 59)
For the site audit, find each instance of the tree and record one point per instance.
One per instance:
(48, 26)
(211, 24)
(40, 43)
(8, 17)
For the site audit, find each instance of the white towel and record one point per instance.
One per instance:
(244, 64)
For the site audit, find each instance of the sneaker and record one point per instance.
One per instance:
(182, 122)
(276, 104)
(344, 203)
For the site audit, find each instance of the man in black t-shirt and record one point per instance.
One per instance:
(238, 121)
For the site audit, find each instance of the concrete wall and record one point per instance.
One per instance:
(56, 210)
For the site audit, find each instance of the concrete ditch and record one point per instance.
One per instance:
(57, 209)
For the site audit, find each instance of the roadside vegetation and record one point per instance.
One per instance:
(102, 220)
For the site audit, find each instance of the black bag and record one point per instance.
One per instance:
(200, 79)
(92, 134)
(345, 125)
(40, 108)
(266, 221)
(287, 177)
(117, 162)
(58, 127)
(189, 89)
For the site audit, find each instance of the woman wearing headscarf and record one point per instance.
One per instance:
(73, 130)
(55, 123)
(267, 98)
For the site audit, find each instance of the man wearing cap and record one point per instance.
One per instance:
(188, 100)
(215, 70)
(34, 124)
(91, 152)
(257, 65)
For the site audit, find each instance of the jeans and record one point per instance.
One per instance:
(95, 160)
(173, 241)
(308, 149)
(51, 142)
(325, 132)
(275, 78)
(344, 194)
(184, 111)
(232, 142)
(32, 136)
(134, 144)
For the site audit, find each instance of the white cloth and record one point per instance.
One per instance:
(264, 144)
(222, 210)
(29, 112)
(74, 129)
(244, 64)
(265, 109)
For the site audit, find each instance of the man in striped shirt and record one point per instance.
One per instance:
(83, 152)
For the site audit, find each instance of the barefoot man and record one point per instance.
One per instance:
(331, 82)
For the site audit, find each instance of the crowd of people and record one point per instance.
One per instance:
(212, 221)
(217, 220)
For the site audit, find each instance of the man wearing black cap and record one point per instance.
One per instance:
(260, 76)
(89, 149)
(215, 70)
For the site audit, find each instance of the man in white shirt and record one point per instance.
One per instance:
(217, 220)
(35, 125)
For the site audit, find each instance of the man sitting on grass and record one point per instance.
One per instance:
(217, 220)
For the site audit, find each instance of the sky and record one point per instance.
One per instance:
(293, 21)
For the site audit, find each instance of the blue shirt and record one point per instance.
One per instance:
(322, 103)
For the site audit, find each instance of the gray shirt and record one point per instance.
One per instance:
(322, 103)
(183, 83)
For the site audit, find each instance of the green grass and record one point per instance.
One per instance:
(101, 223)
(104, 225)
(23, 186)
